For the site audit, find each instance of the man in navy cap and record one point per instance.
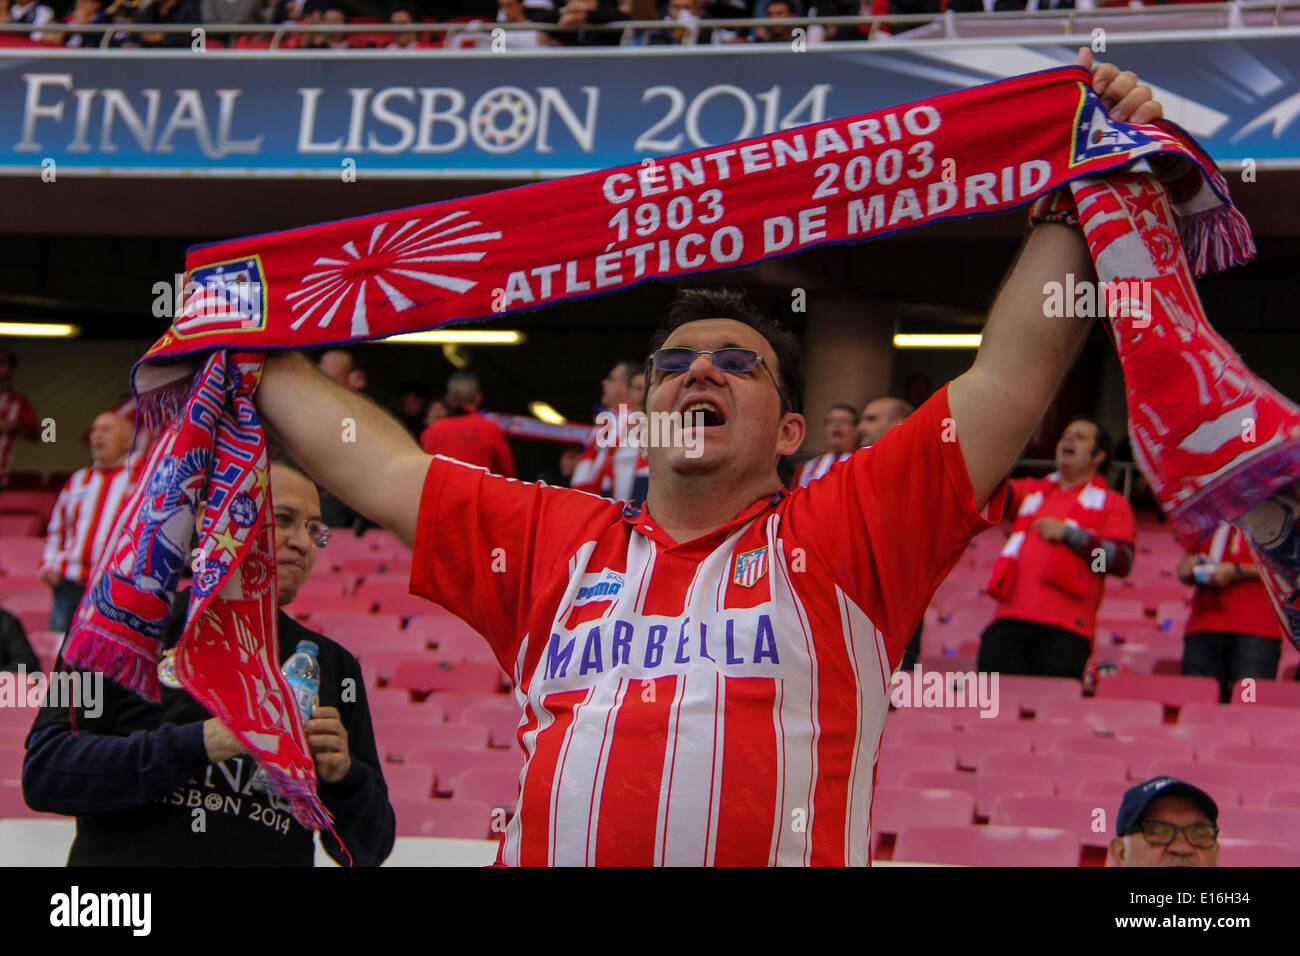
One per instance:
(1166, 822)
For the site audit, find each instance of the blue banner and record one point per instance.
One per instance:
(473, 114)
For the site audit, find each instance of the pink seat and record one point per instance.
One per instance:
(1172, 615)
(382, 662)
(1273, 693)
(1262, 824)
(502, 719)
(1285, 799)
(21, 555)
(46, 644)
(1033, 691)
(984, 787)
(398, 741)
(1257, 753)
(395, 706)
(324, 586)
(968, 744)
(1261, 720)
(893, 808)
(972, 716)
(1064, 770)
(987, 846)
(1136, 752)
(1253, 782)
(1169, 690)
(454, 704)
(423, 676)
(1103, 715)
(11, 762)
(21, 523)
(496, 788)
(435, 624)
(26, 584)
(449, 819)
(13, 806)
(1249, 853)
(1205, 740)
(393, 596)
(1113, 791)
(409, 781)
(353, 623)
(318, 608)
(1120, 609)
(1078, 815)
(464, 647)
(907, 718)
(895, 764)
(448, 763)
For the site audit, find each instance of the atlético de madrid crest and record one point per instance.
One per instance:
(750, 567)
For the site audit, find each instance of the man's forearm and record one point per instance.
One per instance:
(1022, 359)
(343, 440)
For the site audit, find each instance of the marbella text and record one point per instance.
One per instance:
(671, 215)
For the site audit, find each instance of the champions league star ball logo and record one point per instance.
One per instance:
(398, 263)
(242, 510)
(503, 122)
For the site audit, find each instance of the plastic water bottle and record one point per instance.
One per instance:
(302, 671)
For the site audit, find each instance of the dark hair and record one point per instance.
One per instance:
(630, 367)
(276, 455)
(693, 305)
(415, 388)
(844, 406)
(1102, 443)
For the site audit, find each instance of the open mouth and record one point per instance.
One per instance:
(704, 412)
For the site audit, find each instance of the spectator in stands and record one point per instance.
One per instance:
(15, 650)
(166, 12)
(838, 33)
(777, 9)
(86, 11)
(1071, 531)
(413, 406)
(516, 11)
(578, 15)
(357, 380)
(33, 12)
(84, 515)
(17, 419)
(437, 411)
(406, 40)
(681, 13)
(465, 434)
(1232, 631)
(336, 363)
(135, 775)
(611, 471)
(1166, 822)
(841, 424)
(879, 416)
(232, 12)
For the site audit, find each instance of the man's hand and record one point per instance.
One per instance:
(221, 744)
(51, 577)
(1050, 529)
(1129, 101)
(1185, 567)
(1224, 574)
(329, 744)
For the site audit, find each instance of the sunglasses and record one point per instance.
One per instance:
(1159, 833)
(318, 531)
(732, 360)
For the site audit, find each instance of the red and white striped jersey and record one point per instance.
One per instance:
(13, 408)
(83, 518)
(709, 702)
(816, 467)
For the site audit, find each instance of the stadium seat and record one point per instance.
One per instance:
(397, 741)
(1261, 720)
(360, 631)
(1171, 691)
(1250, 853)
(448, 763)
(1271, 693)
(500, 717)
(1253, 782)
(496, 788)
(434, 624)
(409, 781)
(1205, 740)
(13, 806)
(1136, 752)
(1064, 770)
(395, 706)
(1113, 791)
(1257, 753)
(893, 808)
(969, 745)
(36, 502)
(896, 763)
(987, 846)
(46, 644)
(323, 607)
(19, 555)
(1261, 824)
(324, 586)
(455, 704)
(975, 717)
(424, 676)
(383, 663)
(1120, 609)
(1285, 799)
(1172, 616)
(1078, 815)
(448, 819)
(457, 647)
(984, 787)
(392, 596)
(21, 524)
(24, 584)
(1032, 691)
(18, 602)
(1103, 715)
(11, 762)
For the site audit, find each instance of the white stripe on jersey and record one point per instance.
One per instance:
(859, 636)
(575, 814)
(81, 525)
(602, 764)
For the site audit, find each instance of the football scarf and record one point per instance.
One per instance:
(981, 150)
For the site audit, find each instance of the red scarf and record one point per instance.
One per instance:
(1065, 569)
(845, 180)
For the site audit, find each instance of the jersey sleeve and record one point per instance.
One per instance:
(484, 544)
(889, 523)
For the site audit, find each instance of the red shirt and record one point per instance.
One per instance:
(1240, 608)
(1035, 599)
(470, 438)
(13, 408)
(683, 703)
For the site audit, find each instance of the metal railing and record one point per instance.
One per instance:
(1232, 13)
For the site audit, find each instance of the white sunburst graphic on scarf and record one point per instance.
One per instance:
(399, 262)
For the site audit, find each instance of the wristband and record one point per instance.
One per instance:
(1057, 206)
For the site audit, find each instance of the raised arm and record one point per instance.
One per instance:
(1024, 354)
(345, 441)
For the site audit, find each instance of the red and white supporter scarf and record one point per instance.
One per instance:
(1065, 569)
(845, 180)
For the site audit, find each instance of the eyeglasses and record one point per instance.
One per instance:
(732, 360)
(1159, 833)
(318, 531)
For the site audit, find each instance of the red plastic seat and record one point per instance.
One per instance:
(24, 584)
(454, 704)
(1257, 753)
(1172, 616)
(397, 741)
(464, 646)
(1205, 739)
(896, 763)
(383, 663)
(1253, 782)
(448, 819)
(358, 631)
(1261, 720)
(1078, 815)
(1113, 792)
(984, 787)
(1272, 693)
(448, 763)
(893, 808)
(11, 762)
(21, 524)
(36, 502)
(987, 846)
(969, 745)
(320, 607)
(18, 602)
(1262, 824)
(1285, 799)
(1031, 692)
(422, 676)
(329, 585)
(1249, 853)
(1064, 770)
(1169, 690)
(496, 788)
(1103, 715)
(1136, 752)
(393, 596)
(19, 555)
(409, 781)
(435, 624)
(393, 705)
(502, 719)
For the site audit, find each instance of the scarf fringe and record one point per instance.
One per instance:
(92, 650)
(1230, 496)
(1216, 239)
(304, 803)
(159, 407)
